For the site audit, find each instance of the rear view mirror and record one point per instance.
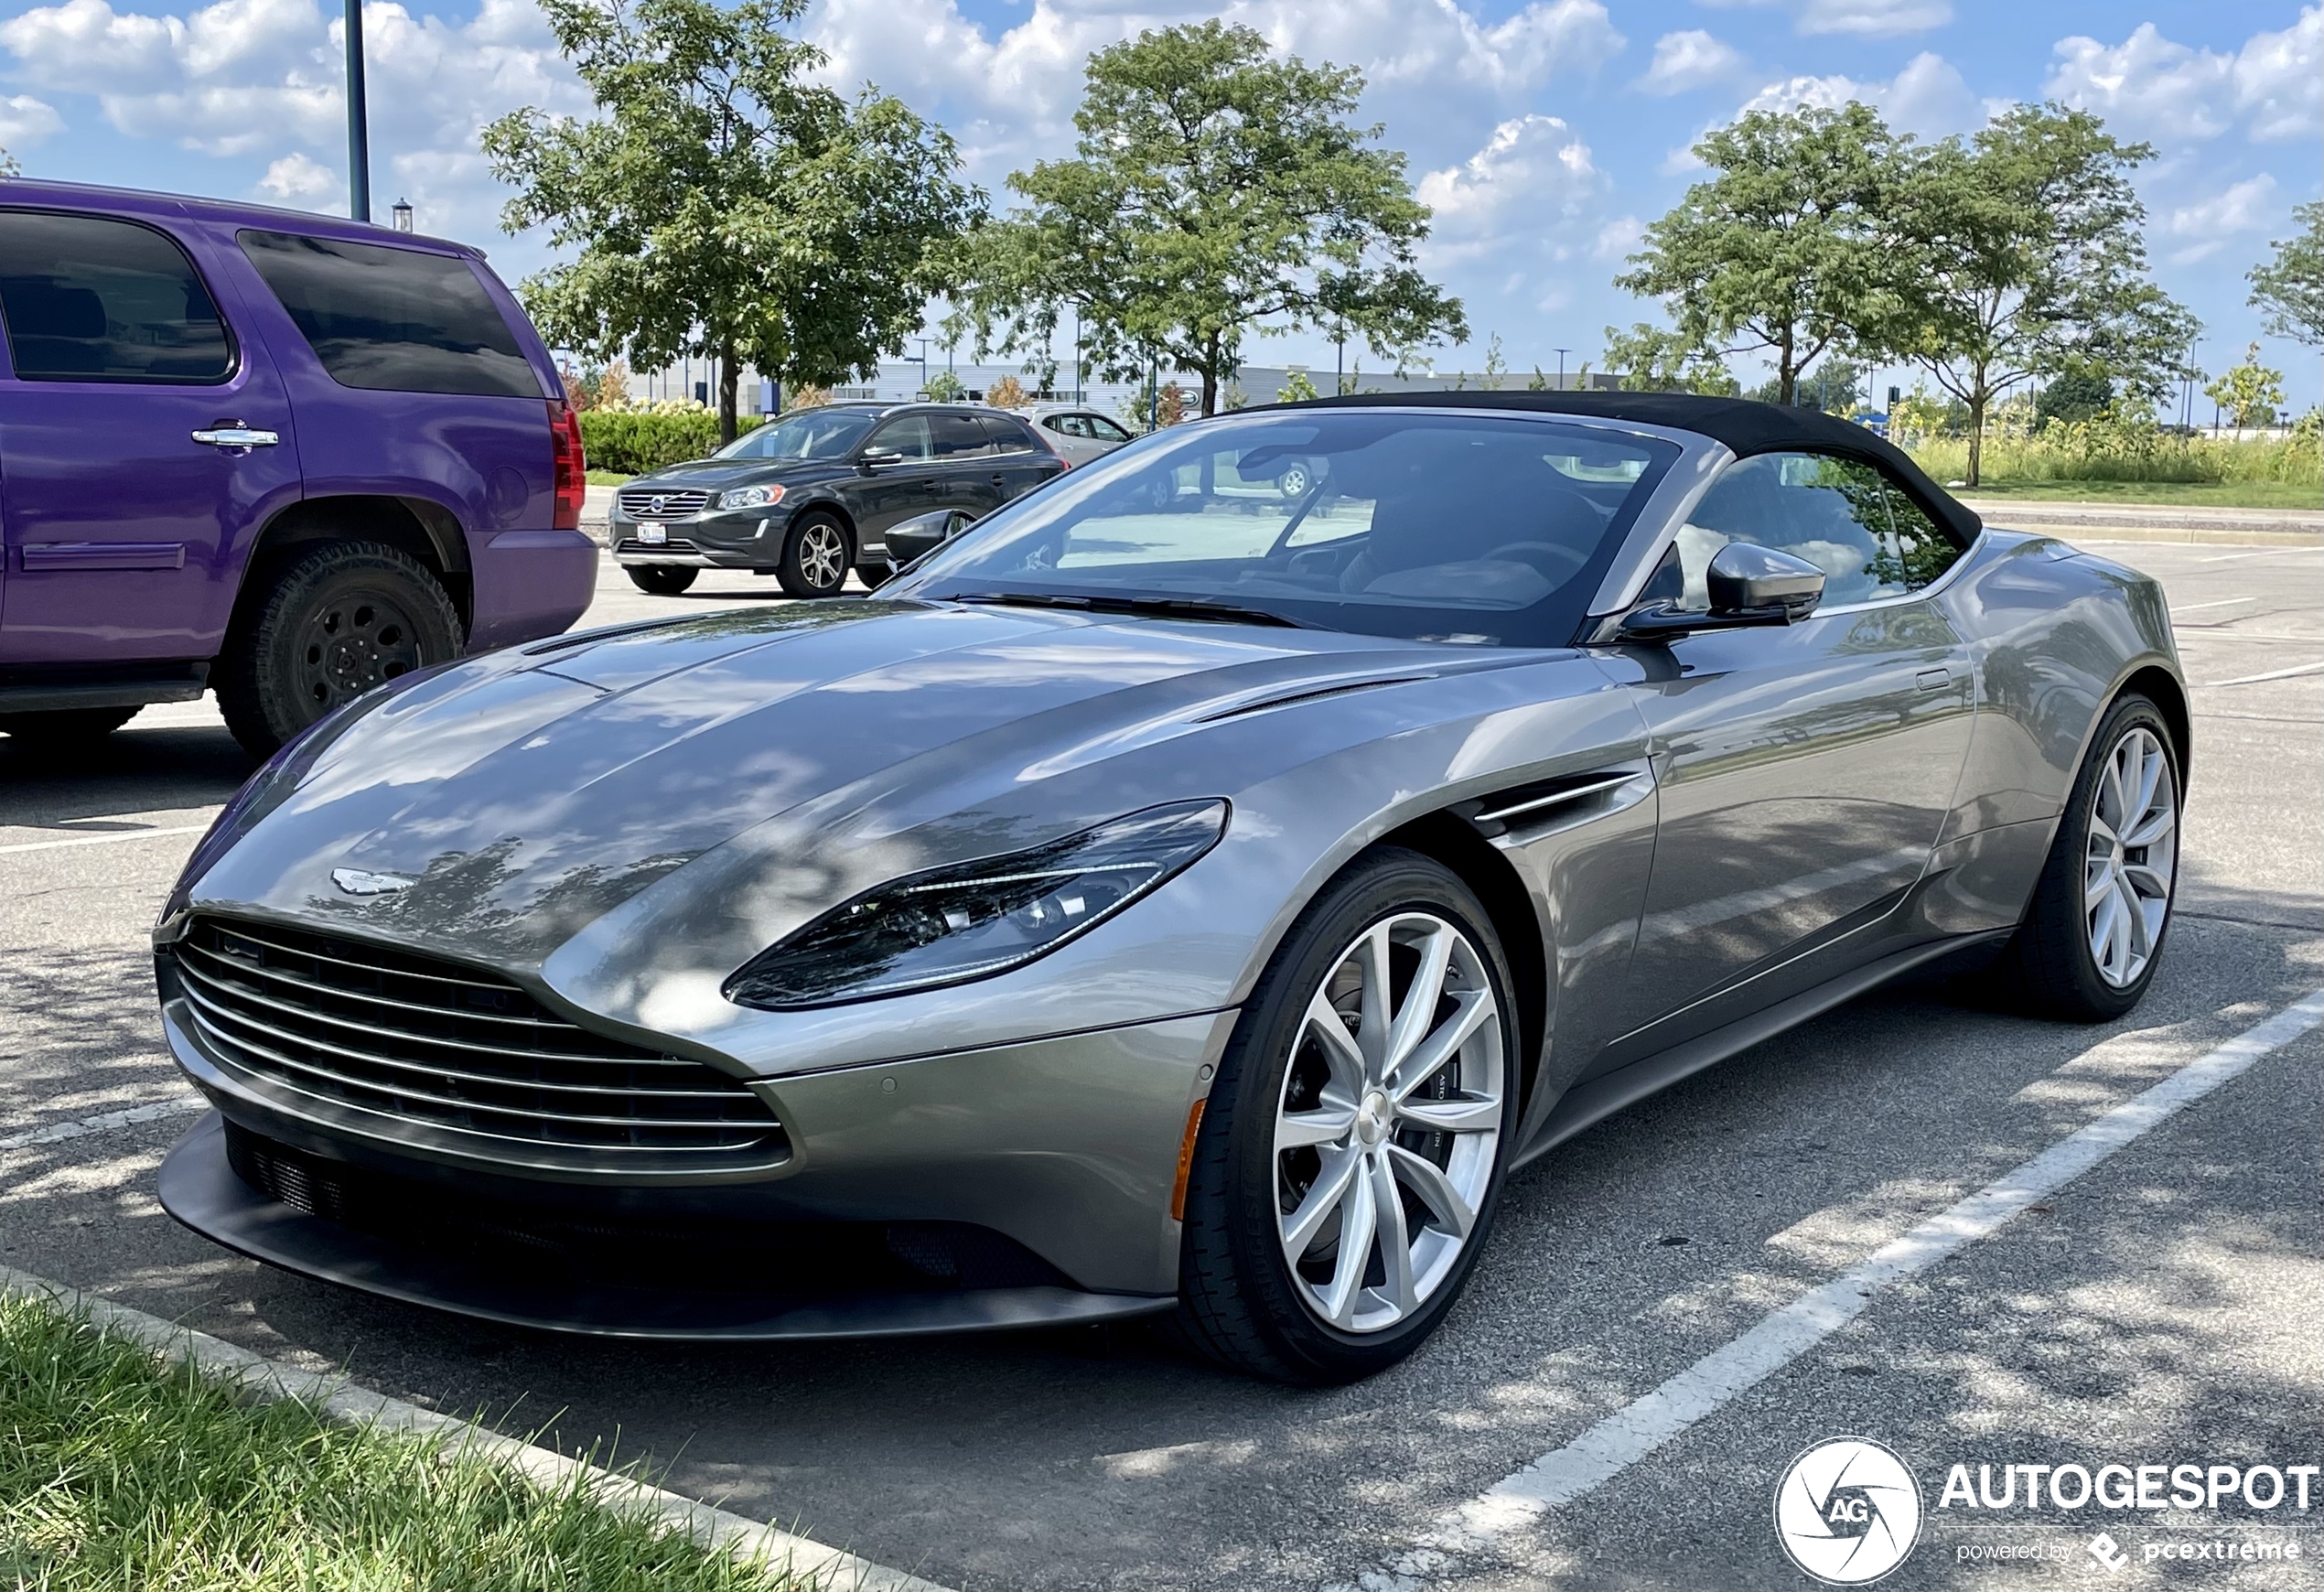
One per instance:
(872, 458)
(1744, 577)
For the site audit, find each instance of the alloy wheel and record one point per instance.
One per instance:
(2133, 856)
(823, 555)
(1388, 1123)
(351, 642)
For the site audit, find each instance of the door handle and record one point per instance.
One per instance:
(235, 434)
(1000, 480)
(1932, 679)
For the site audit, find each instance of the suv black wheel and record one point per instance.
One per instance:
(329, 624)
(1351, 1151)
(2092, 936)
(67, 730)
(662, 580)
(816, 557)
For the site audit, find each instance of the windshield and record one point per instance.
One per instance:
(805, 434)
(1440, 526)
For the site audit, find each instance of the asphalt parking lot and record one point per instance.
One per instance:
(2167, 1306)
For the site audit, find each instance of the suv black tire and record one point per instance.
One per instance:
(662, 580)
(69, 729)
(816, 557)
(2048, 965)
(1240, 1299)
(329, 623)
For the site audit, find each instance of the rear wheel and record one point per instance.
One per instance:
(662, 580)
(2093, 935)
(69, 730)
(329, 624)
(816, 557)
(1352, 1149)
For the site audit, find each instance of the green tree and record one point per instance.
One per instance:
(1782, 252)
(945, 387)
(1297, 389)
(2289, 290)
(2073, 395)
(1649, 359)
(2023, 256)
(1215, 194)
(723, 207)
(1835, 386)
(2249, 392)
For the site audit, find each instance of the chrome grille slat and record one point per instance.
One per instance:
(274, 1006)
(290, 1036)
(416, 1038)
(637, 502)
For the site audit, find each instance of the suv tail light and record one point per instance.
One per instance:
(571, 471)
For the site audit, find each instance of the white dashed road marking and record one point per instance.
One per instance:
(55, 1132)
(1631, 1433)
(2316, 668)
(106, 839)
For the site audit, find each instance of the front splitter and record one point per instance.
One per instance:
(201, 1190)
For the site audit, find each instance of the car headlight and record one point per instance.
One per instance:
(749, 497)
(974, 920)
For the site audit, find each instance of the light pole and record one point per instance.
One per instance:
(1561, 354)
(359, 139)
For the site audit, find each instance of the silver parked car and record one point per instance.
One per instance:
(1079, 433)
(1191, 902)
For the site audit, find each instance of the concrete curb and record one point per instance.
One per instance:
(832, 1569)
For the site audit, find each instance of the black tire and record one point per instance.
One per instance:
(1240, 1299)
(72, 729)
(662, 580)
(2049, 966)
(816, 554)
(874, 576)
(322, 627)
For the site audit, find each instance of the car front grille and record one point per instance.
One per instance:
(660, 503)
(393, 1040)
(676, 544)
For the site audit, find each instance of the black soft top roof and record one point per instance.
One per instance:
(1743, 425)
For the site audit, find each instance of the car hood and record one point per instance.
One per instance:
(714, 473)
(527, 793)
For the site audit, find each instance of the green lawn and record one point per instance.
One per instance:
(118, 1474)
(608, 477)
(2176, 494)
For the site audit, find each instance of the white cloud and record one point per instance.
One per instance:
(1928, 97)
(24, 121)
(266, 78)
(1863, 19)
(2151, 87)
(2243, 206)
(1692, 60)
(1532, 169)
(1617, 238)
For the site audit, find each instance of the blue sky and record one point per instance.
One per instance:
(1543, 133)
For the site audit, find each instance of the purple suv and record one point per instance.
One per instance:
(268, 454)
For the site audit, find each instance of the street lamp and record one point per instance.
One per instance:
(402, 216)
(1561, 354)
(359, 142)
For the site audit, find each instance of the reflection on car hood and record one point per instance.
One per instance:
(697, 474)
(528, 792)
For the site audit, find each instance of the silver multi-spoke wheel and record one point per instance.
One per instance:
(1388, 1123)
(2133, 855)
(823, 555)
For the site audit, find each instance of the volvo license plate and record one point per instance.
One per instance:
(653, 535)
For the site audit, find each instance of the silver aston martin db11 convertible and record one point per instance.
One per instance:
(1192, 891)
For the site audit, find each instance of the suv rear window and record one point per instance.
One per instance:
(90, 299)
(394, 319)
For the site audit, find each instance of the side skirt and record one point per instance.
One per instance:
(1586, 1104)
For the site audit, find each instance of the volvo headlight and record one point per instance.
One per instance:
(749, 497)
(974, 920)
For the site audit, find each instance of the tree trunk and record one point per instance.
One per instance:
(1210, 378)
(726, 381)
(1978, 398)
(1787, 374)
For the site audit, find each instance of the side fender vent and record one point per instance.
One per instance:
(1561, 799)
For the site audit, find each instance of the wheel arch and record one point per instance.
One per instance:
(2168, 694)
(833, 508)
(426, 530)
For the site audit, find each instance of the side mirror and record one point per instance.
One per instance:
(1748, 585)
(909, 540)
(873, 458)
(1746, 578)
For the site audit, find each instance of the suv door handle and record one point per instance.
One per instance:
(235, 434)
(999, 479)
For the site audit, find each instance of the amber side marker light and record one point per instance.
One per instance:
(1186, 1161)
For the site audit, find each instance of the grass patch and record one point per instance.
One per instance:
(121, 1474)
(609, 477)
(2175, 494)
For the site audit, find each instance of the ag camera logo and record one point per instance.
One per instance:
(1847, 1512)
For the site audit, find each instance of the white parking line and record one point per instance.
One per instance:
(2221, 603)
(56, 1132)
(106, 839)
(2267, 552)
(2316, 668)
(1633, 1432)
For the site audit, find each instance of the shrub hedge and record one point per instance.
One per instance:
(633, 444)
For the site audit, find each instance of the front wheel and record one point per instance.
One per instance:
(816, 557)
(326, 626)
(2093, 934)
(1352, 1148)
(662, 580)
